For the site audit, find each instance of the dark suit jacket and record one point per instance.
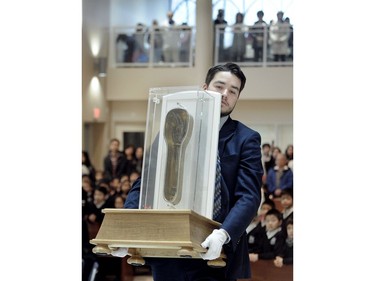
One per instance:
(241, 168)
(120, 168)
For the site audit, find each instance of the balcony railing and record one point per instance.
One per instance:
(253, 46)
(256, 45)
(154, 47)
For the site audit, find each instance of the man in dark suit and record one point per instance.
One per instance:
(241, 170)
(114, 161)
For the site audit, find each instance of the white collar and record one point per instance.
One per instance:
(284, 168)
(222, 120)
(99, 205)
(251, 226)
(287, 212)
(272, 233)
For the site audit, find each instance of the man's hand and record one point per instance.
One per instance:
(120, 252)
(214, 242)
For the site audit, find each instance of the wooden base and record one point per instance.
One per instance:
(155, 233)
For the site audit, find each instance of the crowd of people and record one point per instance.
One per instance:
(270, 234)
(171, 42)
(106, 188)
(243, 185)
(249, 41)
(103, 188)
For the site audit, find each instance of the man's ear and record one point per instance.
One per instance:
(205, 86)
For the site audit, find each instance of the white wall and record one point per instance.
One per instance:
(273, 119)
(134, 83)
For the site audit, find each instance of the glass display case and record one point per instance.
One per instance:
(180, 149)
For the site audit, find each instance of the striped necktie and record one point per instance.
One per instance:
(217, 195)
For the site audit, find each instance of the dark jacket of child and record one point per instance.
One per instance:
(254, 238)
(286, 216)
(96, 210)
(288, 252)
(272, 244)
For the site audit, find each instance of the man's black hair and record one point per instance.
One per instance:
(228, 67)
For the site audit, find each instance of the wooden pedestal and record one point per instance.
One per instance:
(155, 233)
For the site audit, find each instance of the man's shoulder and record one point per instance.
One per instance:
(241, 127)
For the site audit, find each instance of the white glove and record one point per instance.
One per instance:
(214, 242)
(120, 252)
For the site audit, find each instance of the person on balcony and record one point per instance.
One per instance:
(157, 42)
(171, 38)
(279, 35)
(220, 20)
(258, 30)
(239, 39)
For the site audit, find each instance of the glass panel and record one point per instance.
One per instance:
(154, 46)
(180, 149)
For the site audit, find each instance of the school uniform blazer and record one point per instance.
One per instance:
(241, 169)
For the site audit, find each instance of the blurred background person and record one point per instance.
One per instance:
(258, 30)
(114, 161)
(238, 48)
(171, 39)
(156, 40)
(220, 20)
(279, 35)
(87, 167)
(185, 40)
(279, 178)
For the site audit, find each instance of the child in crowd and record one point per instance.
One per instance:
(272, 242)
(124, 177)
(257, 228)
(133, 177)
(119, 202)
(115, 184)
(99, 175)
(125, 188)
(279, 177)
(286, 201)
(113, 190)
(287, 254)
(267, 160)
(87, 193)
(94, 209)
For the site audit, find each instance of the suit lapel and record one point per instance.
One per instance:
(225, 134)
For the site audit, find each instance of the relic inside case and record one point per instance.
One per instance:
(180, 149)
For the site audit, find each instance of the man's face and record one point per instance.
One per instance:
(114, 146)
(228, 85)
